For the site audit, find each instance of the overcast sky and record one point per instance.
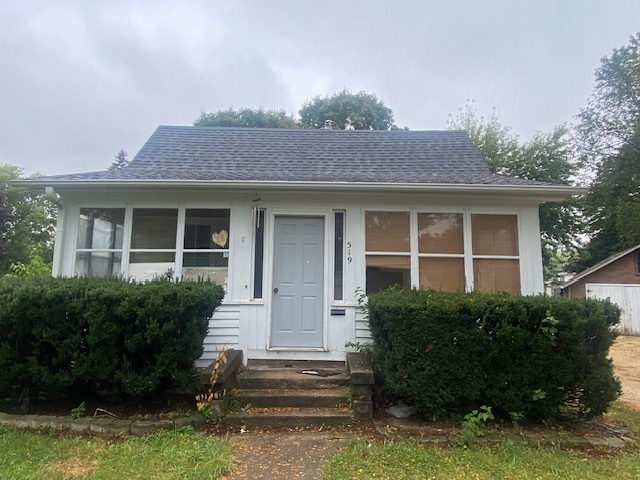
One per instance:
(82, 79)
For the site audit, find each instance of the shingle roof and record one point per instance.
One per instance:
(261, 154)
(598, 266)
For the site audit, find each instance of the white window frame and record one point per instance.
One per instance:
(467, 233)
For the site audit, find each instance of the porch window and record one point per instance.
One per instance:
(387, 245)
(206, 245)
(441, 251)
(496, 261)
(153, 242)
(99, 242)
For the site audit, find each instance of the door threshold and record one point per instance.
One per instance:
(297, 349)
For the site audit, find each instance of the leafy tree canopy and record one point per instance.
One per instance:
(359, 111)
(247, 117)
(547, 157)
(351, 111)
(30, 221)
(5, 218)
(609, 138)
(611, 118)
(613, 206)
(120, 160)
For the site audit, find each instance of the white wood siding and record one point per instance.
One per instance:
(363, 334)
(243, 322)
(627, 297)
(223, 333)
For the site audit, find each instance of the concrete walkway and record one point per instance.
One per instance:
(283, 456)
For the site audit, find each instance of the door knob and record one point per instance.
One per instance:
(275, 290)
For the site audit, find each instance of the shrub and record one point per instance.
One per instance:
(541, 356)
(101, 335)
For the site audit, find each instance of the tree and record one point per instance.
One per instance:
(359, 111)
(5, 218)
(613, 206)
(609, 139)
(611, 118)
(547, 157)
(247, 117)
(496, 143)
(31, 221)
(120, 160)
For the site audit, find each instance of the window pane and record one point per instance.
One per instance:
(100, 228)
(445, 274)
(205, 259)
(339, 256)
(154, 228)
(387, 231)
(384, 271)
(152, 257)
(440, 233)
(258, 262)
(495, 234)
(206, 266)
(496, 275)
(206, 229)
(98, 264)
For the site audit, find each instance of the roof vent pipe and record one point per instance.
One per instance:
(328, 124)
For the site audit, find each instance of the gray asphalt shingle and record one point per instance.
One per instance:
(257, 154)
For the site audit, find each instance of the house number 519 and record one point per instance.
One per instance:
(349, 258)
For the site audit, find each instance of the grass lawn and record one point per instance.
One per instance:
(163, 455)
(409, 460)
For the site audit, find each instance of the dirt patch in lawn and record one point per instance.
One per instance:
(73, 467)
(626, 365)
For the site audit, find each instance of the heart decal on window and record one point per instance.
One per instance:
(220, 238)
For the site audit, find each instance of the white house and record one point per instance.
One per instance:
(294, 222)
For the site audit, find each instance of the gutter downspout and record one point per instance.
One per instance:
(50, 193)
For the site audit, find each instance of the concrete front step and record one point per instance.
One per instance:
(287, 378)
(315, 398)
(289, 417)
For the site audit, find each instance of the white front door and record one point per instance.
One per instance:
(298, 282)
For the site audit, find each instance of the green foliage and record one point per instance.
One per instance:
(120, 160)
(547, 157)
(358, 346)
(609, 141)
(614, 206)
(5, 219)
(473, 425)
(28, 219)
(348, 111)
(611, 118)
(247, 117)
(36, 267)
(80, 410)
(532, 355)
(351, 111)
(101, 335)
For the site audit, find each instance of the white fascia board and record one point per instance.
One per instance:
(541, 192)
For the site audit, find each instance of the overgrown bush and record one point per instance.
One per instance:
(536, 356)
(101, 335)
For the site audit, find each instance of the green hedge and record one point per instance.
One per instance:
(101, 335)
(538, 356)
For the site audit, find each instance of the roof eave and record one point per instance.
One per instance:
(545, 192)
(598, 266)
